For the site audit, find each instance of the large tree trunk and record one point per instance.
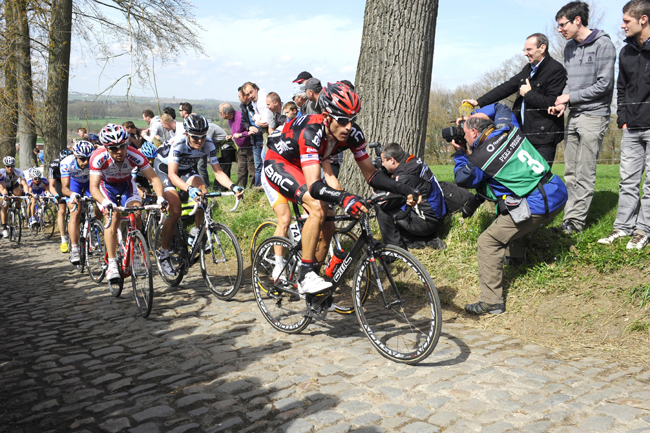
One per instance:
(58, 68)
(394, 77)
(26, 127)
(8, 102)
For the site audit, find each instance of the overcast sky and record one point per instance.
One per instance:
(271, 42)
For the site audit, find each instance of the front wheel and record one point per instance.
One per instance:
(177, 253)
(401, 315)
(82, 254)
(284, 310)
(222, 264)
(15, 225)
(48, 221)
(95, 250)
(141, 274)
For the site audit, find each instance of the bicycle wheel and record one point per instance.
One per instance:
(285, 311)
(151, 229)
(263, 231)
(82, 254)
(48, 222)
(95, 251)
(177, 253)
(222, 266)
(33, 228)
(343, 303)
(16, 225)
(141, 274)
(401, 316)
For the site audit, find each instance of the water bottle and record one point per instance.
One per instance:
(336, 260)
(193, 234)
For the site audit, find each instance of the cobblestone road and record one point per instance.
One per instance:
(75, 359)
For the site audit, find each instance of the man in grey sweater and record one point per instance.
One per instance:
(589, 59)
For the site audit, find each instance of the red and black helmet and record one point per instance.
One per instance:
(339, 100)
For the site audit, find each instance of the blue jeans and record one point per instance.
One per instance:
(257, 156)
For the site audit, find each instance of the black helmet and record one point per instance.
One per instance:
(195, 124)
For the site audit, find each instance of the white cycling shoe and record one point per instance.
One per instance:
(5, 233)
(112, 273)
(166, 264)
(313, 283)
(74, 257)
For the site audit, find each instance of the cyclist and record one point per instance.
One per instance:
(176, 167)
(38, 186)
(110, 176)
(293, 168)
(55, 190)
(142, 183)
(74, 180)
(12, 181)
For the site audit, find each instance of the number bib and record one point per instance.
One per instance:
(511, 160)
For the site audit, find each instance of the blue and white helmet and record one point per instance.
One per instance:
(149, 150)
(83, 148)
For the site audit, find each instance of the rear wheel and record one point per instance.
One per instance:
(222, 266)
(95, 251)
(284, 310)
(177, 254)
(141, 274)
(48, 221)
(82, 254)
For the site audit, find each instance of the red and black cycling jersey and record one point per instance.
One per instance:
(303, 142)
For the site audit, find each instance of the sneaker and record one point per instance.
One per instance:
(613, 236)
(112, 273)
(64, 247)
(5, 233)
(569, 228)
(313, 283)
(167, 266)
(32, 221)
(481, 308)
(74, 257)
(638, 241)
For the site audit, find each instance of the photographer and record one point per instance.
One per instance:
(515, 176)
(400, 224)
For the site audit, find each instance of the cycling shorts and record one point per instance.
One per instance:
(127, 190)
(185, 175)
(80, 188)
(284, 177)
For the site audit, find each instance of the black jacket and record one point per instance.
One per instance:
(547, 84)
(633, 85)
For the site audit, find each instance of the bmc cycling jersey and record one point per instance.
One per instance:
(70, 168)
(55, 170)
(11, 181)
(38, 188)
(102, 164)
(178, 150)
(303, 142)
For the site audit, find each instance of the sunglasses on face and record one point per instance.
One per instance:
(82, 159)
(197, 137)
(561, 26)
(344, 120)
(116, 148)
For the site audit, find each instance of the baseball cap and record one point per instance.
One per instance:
(312, 84)
(304, 75)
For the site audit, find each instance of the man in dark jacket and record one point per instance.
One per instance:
(633, 109)
(400, 224)
(537, 86)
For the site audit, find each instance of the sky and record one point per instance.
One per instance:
(269, 43)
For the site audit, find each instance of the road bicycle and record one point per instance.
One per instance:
(215, 247)
(45, 218)
(91, 240)
(14, 217)
(133, 260)
(395, 300)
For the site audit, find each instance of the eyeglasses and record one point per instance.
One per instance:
(343, 120)
(82, 158)
(116, 148)
(561, 26)
(197, 137)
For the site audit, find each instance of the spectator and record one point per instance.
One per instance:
(537, 86)
(84, 135)
(135, 139)
(170, 111)
(228, 153)
(172, 128)
(300, 98)
(312, 88)
(155, 133)
(303, 76)
(276, 118)
(240, 134)
(633, 97)
(291, 110)
(258, 116)
(589, 59)
(185, 109)
(401, 226)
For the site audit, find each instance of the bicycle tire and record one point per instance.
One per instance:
(95, 251)
(263, 231)
(141, 274)
(48, 222)
(15, 225)
(281, 309)
(405, 327)
(150, 230)
(177, 252)
(82, 254)
(223, 266)
(33, 228)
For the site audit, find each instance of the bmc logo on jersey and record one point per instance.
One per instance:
(277, 179)
(282, 146)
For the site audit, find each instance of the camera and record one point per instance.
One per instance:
(472, 205)
(377, 161)
(455, 133)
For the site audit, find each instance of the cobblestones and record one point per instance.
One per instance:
(75, 359)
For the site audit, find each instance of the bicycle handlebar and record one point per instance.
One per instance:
(215, 194)
(82, 199)
(128, 210)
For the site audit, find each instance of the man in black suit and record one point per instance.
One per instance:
(537, 86)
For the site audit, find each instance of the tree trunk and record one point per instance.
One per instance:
(26, 127)
(394, 78)
(58, 69)
(8, 102)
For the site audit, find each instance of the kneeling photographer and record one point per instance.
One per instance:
(515, 176)
(400, 224)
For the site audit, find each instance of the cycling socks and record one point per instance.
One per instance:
(64, 240)
(306, 266)
(75, 247)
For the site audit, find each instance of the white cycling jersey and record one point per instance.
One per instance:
(11, 181)
(178, 150)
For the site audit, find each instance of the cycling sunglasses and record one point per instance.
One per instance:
(197, 137)
(343, 120)
(116, 148)
(82, 158)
